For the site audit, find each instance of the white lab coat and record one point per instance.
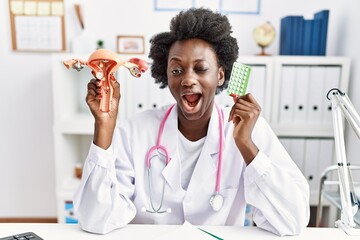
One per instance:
(114, 186)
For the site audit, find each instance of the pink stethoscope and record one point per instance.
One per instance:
(216, 200)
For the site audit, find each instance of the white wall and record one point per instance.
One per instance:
(26, 149)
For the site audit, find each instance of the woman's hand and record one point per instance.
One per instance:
(104, 121)
(244, 115)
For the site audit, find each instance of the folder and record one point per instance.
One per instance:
(302, 74)
(332, 80)
(155, 94)
(286, 142)
(287, 94)
(136, 98)
(326, 153)
(312, 159)
(257, 84)
(316, 36)
(316, 95)
(298, 35)
(297, 146)
(307, 35)
(324, 17)
(286, 36)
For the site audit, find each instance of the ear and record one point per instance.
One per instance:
(221, 76)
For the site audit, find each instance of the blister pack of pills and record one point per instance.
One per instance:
(239, 78)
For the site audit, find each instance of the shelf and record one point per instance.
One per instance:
(303, 130)
(80, 123)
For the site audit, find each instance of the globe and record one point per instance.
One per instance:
(264, 35)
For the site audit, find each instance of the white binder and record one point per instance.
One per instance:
(287, 94)
(302, 74)
(316, 95)
(326, 153)
(297, 146)
(137, 94)
(257, 84)
(312, 159)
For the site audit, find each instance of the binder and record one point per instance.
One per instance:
(137, 94)
(316, 95)
(332, 79)
(286, 142)
(312, 159)
(316, 33)
(297, 146)
(324, 17)
(121, 76)
(286, 111)
(298, 35)
(257, 84)
(326, 153)
(302, 74)
(307, 36)
(287, 36)
(155, 94)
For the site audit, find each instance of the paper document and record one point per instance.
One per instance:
(188, 231)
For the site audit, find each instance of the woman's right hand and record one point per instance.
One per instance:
(104, 121)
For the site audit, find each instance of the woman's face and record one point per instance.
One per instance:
(193, 76)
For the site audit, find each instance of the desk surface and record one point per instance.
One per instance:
(53, 231)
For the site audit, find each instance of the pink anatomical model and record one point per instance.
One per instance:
(104, 64)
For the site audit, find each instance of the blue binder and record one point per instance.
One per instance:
(285, 36)
(324, 17)
(298, 33)
(290, 35)
(307, 37)
(316, 35)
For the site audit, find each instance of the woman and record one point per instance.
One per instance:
(219, 159)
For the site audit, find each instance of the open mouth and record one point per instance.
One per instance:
(192, 100)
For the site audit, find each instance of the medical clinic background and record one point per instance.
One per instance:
(27, 147)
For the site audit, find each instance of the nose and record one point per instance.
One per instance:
(188, 80)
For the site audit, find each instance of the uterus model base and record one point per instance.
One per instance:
(104, 64)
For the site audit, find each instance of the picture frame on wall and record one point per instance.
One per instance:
(130, 44)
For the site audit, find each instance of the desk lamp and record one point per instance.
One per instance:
(342, 106)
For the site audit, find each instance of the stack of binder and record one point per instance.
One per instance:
(299, 36)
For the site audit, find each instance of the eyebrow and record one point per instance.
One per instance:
(178, 59)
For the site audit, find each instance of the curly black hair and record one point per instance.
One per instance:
(198, 23)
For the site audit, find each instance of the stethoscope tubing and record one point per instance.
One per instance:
(158, 146)
(218, 173)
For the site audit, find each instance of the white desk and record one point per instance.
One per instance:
(53, 231)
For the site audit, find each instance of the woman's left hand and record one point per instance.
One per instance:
(244, 115)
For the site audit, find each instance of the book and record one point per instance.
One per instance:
(298, 33)
(290, 33)
(324, 17)
(315, 41)
(307, 37)
(285, 36)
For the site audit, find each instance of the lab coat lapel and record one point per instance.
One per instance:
(207, 163)
(172, 172)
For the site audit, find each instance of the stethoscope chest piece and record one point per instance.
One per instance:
(216, 202)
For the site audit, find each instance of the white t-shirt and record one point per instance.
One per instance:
(189, 154)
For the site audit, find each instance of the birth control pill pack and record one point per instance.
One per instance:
(239, 79)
